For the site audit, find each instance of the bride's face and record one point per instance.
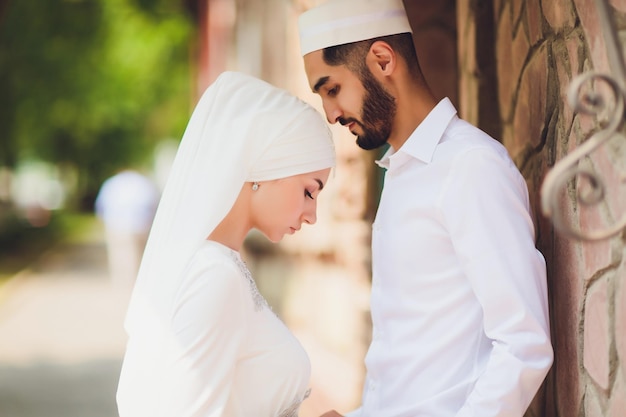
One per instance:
(281, 206)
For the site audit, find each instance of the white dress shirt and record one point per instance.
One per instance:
(459, 298)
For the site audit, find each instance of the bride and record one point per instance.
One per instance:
(202, 340)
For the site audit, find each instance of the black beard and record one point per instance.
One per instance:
(379, 109)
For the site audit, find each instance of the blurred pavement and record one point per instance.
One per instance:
(62, 339)
(61, 335)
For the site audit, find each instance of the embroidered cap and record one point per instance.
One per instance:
(338, 22)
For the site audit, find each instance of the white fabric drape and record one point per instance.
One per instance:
(242, 129)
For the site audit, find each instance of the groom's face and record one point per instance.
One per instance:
(357, 101)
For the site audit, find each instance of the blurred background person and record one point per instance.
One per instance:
(126, 204)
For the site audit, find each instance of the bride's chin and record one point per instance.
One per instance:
(275, 238)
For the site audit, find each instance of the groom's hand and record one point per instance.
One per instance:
(331, 413)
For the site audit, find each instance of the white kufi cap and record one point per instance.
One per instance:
(338, 22)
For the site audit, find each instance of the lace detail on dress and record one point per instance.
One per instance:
(292, 410)
(259, 301)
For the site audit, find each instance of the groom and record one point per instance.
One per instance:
(459, 297)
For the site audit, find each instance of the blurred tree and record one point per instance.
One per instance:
(92, 84)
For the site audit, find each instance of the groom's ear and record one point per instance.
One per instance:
(381, 59)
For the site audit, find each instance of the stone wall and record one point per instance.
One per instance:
(514, 86)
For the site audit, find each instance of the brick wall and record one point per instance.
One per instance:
(537, 48)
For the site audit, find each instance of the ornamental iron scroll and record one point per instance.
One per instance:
(586, 96)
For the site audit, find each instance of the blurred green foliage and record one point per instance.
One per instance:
(21, 244)
(92, 84)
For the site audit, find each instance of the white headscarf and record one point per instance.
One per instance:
(242, 129)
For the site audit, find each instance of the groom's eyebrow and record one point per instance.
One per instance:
(320, 82)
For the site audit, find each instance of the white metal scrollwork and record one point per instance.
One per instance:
(608, 104)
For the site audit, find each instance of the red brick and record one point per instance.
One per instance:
(592, 218)
(596, 255)
(617, 403)
(596, 334)
(567, 70)
(608, 166)
(516, 10)
(590, 22)
(620, 318)
(620, 5)
(566, 294)
(507, 76)
(559, 13)
(468, 87)
(533, 15)
(593, 407)
(530, 112)
(436, 50)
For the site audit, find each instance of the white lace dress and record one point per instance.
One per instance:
(227, 355)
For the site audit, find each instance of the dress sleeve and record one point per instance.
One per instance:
(208, 331)
(486, 208)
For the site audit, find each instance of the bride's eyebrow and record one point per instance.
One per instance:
(321, 184)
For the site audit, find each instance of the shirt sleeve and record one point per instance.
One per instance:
(486, 208)
(208, 331)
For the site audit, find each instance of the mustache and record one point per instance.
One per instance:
(343, 121)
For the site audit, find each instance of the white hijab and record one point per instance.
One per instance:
(242, 129)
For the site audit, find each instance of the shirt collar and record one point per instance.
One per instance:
(424, 139)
